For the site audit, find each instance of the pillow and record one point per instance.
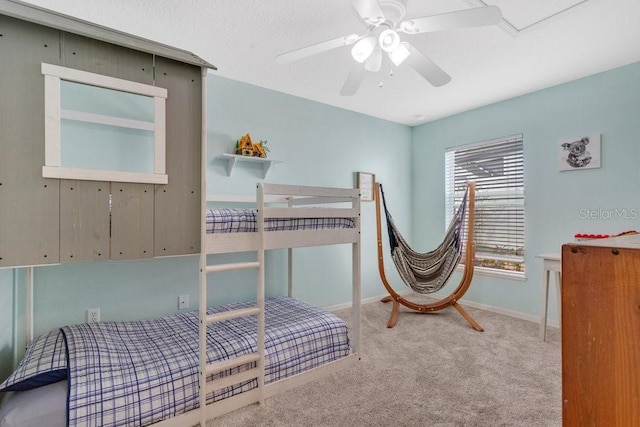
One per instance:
(43, 406)
(45, 362)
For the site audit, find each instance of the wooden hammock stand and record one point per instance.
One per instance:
(454, 297)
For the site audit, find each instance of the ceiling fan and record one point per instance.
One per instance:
(384, 20)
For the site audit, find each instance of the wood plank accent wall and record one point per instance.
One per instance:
(29, 204)
(45, 221)
(178, 202)
(84, 223)
(131, 220)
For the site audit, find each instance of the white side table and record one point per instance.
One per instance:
(552, 262)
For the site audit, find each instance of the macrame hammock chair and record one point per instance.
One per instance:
(428, 272)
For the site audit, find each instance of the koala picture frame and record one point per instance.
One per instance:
(579, 153)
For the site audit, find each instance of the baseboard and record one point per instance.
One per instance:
(510, 313)
(344, 305)
(486, 307)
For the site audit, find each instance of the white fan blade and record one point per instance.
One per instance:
(305, 52)
(426, 67)
(369, 11)
(354, 80)
(477, 17)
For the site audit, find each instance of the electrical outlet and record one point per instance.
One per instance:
(183, 302)
(93, 315)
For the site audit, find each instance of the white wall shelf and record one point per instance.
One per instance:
(232, 159)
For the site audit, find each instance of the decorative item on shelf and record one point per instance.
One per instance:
(582, 237)
(246, 147)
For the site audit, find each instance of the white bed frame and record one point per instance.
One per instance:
(272, 201)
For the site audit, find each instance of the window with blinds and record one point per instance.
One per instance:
(497, 167)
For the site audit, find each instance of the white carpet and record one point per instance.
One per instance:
(430, 370)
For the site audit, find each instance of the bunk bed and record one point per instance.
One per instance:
(285, 216)
(181, 355)
(243, 352)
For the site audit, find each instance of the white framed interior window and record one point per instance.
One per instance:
(497, 167)
(103, 128)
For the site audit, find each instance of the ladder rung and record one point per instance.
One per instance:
(232, 314)
(232, 266)
(214, 368)
(229, 380)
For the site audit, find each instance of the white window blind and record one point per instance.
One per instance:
(497, 167)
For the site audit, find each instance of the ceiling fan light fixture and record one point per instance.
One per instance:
(384, 19)
(389, 40)
(374, 63)
(363, 49)
(399, 54)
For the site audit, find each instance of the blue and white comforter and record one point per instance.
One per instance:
(142, 372)
(235, 220)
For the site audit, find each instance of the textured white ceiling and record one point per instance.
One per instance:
(243, 37)
(525, 14)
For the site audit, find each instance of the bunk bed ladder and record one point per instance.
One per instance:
(256, 359)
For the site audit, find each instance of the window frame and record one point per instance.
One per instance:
(516, 194)
(53, 75)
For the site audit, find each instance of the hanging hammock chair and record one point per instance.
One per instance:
(428, 272)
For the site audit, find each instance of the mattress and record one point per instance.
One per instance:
(235, 220)
(142, 372)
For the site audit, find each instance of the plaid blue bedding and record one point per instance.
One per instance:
(142, 372)
(244, 220)
(44, 362)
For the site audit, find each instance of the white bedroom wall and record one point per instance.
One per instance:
(557, 203)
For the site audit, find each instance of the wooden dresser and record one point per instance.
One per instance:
(601, 332)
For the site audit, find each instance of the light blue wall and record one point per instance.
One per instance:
(320, 145)
(6, 322)
(86, 145)
(556, 202)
